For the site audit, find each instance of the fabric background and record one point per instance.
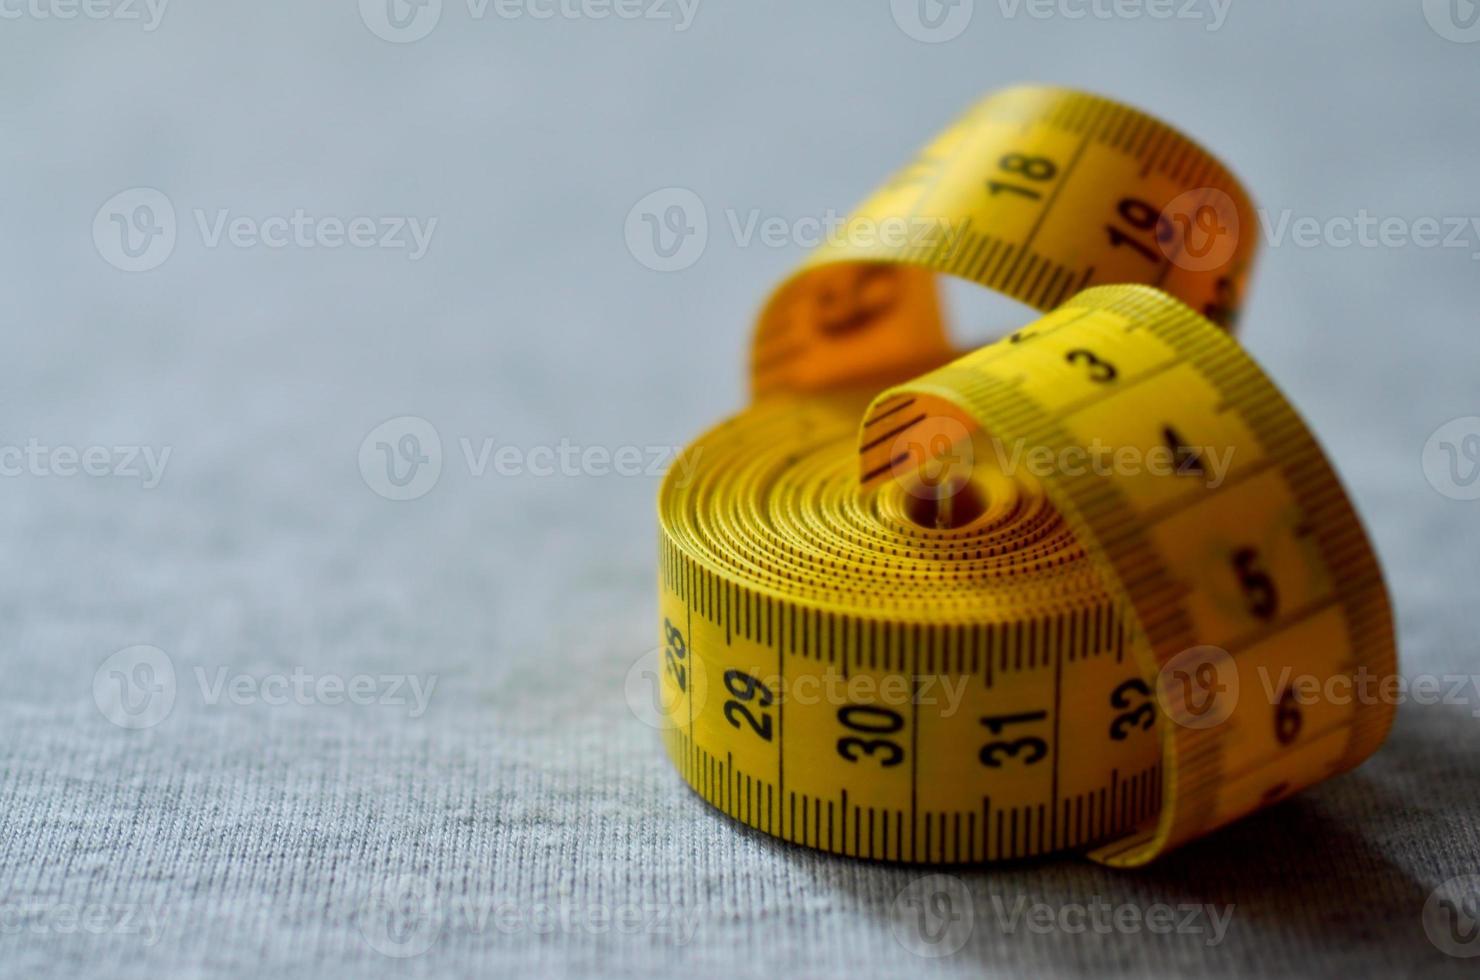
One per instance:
(256, 836)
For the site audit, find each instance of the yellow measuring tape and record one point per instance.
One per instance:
(1049, 595)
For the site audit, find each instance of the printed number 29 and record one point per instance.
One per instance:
(748, 692)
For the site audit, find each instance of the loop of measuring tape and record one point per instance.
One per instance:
(1049, 595)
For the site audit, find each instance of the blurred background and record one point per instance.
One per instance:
(250, 249)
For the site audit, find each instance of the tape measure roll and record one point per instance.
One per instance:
(1051, 595)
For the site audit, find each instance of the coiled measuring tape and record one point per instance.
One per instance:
(1049, 595)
